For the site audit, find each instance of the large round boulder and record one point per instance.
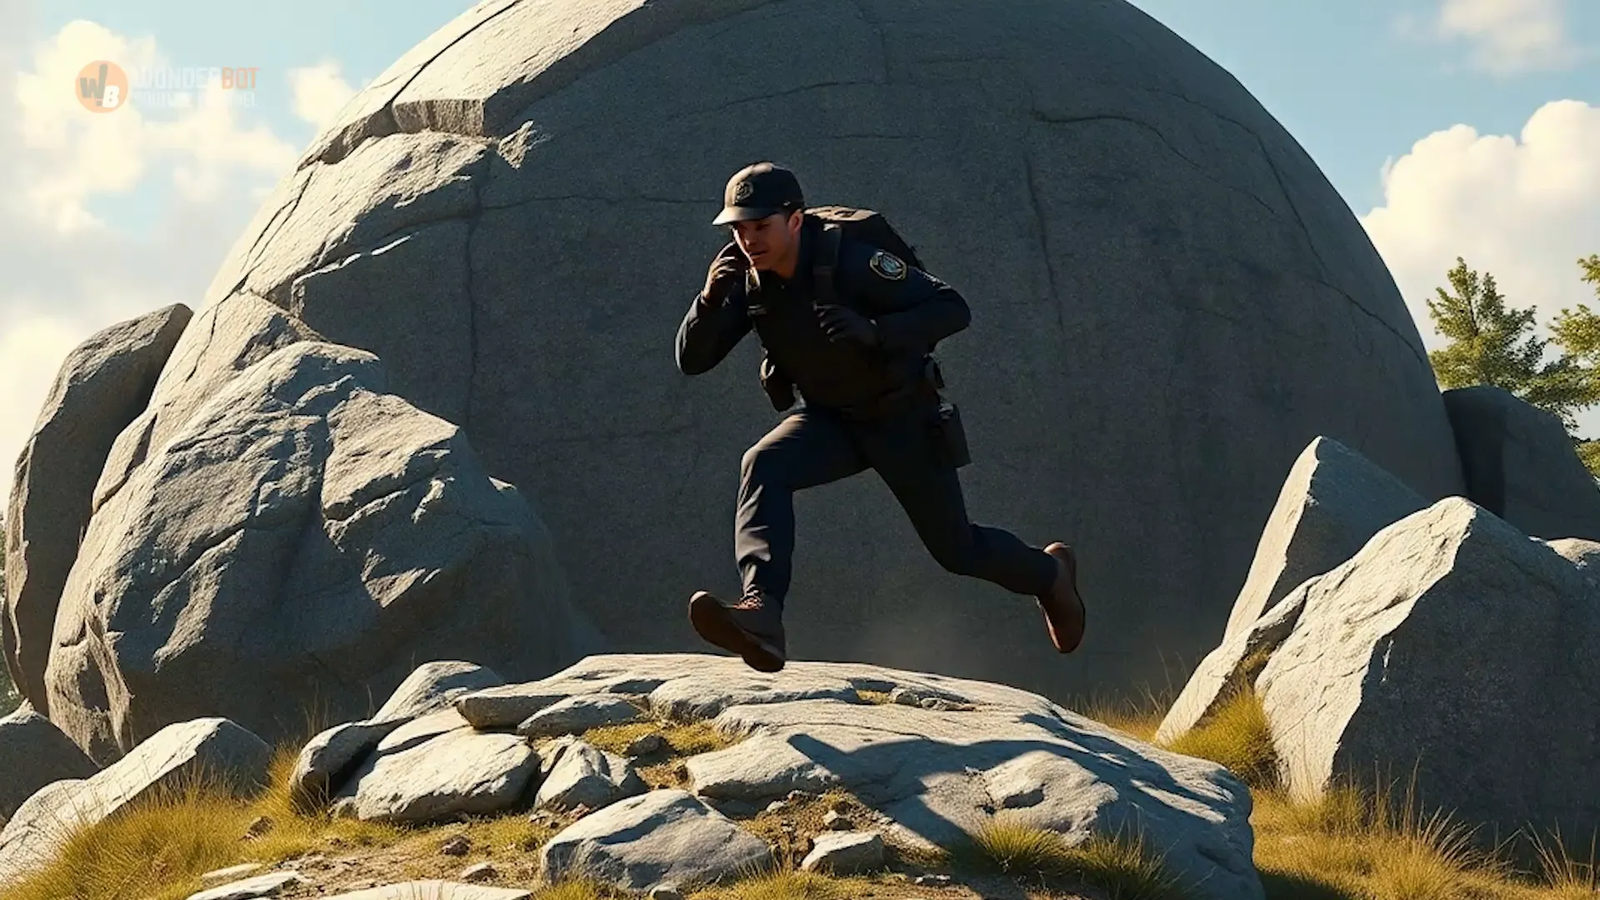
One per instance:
(1169, 301)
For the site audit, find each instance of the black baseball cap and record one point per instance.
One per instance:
(757, 191)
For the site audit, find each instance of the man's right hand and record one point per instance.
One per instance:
(724, 275)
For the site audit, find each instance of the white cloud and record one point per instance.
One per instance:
(319, 93)
(70, 271)
(1524, 208)
(1509, 36)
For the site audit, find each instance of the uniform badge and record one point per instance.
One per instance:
(887, 265)
(743, 191)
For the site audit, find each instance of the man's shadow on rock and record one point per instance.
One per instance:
(915, 759)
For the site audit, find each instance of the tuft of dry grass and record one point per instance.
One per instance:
(1238, 737)
(877, 698)
(783, 885)
(1121, 868)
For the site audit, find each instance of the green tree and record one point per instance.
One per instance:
(1578, 332)
(1493, 344)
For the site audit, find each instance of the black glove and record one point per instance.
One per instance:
(724, 275)
(845, 324)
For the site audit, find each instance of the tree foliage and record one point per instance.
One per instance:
(1495, 344)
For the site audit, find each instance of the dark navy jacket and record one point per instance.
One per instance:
(912, 313)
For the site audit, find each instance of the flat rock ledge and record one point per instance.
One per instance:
(930, 758)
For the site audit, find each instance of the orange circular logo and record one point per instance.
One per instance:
(102, 86)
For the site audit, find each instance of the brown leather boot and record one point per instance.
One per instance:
(1064, 613)
(751, 628)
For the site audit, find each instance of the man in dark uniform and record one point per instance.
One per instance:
(861, 363)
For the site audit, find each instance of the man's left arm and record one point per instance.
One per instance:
(913, 309)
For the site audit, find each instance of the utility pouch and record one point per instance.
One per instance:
(952, 437)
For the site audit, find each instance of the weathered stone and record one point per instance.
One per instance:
(1258, 301)
(440, 777)
(479, 872)
(646, 744)
(457, 845)
(102, 385)
(664, 835)
(1519, 464)
(435, 890)
(228, 757)
(1234, 665)
(268, 885)
(33, 753)
(577, 774)
(576, 715)
(1432, 660)
(845, 854)
(434, 686)
(298, 494)
(1332, 502)
(327, 759)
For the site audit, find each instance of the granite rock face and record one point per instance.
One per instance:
(1176, 303)
(102, 385)
(1520, 465)
(302, 536)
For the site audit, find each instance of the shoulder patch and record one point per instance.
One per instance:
(887, 265)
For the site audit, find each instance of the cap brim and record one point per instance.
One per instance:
(743, 214)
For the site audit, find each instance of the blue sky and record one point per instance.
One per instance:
(1485, 114)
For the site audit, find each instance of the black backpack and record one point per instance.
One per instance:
(862, 225)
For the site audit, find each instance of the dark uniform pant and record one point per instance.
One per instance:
(816, 446)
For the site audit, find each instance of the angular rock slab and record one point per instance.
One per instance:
(665, 835)
(1435, 659)
(434, 686)
(468, 160)
(1226, 666)
(303, 495)
(329, 757)
(435, 890)
(440, 777)
(848, 853)
(33, 753)
(1520, 464)
(577, 774)
(938, 774)
(217, 750)
(254, 888)
(102, 385)
(1332, 502)
(576, 715)
(934, 772)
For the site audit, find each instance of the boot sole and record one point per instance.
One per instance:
(712, 622)
(1069, 562)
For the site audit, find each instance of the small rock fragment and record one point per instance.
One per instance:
(835, 822)
(934, 880)
(456, 846)
(477, 874)
(840, 806)
(777, 806)
(666, 891)
(845, 854)
(259, 827)
(646, 745)
(261, 886)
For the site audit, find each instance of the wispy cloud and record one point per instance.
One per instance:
(69, 270)
(1506, 37)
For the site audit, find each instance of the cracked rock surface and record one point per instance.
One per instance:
(514, 216)
(216, 748)
(102, 385)
(298, 532)
(934, 773)
(1436, 657)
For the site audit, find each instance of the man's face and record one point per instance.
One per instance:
(772, 243)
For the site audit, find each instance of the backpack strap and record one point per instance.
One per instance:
(822, 264)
